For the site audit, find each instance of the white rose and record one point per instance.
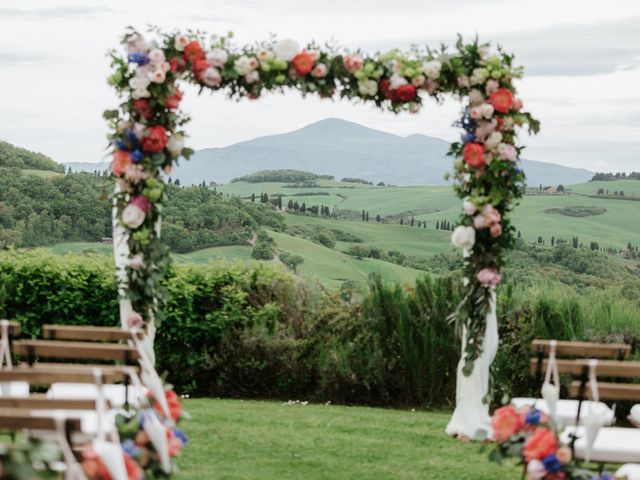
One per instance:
(494, 139)
(132, 216)
(432, 69)
(175, 144)
(180, 42)
(368, 87)
(217, 57)
(252, 77)
(468, 207)
(140, 93)
(487, 110)
(464, 237)
(242, 65)
(157, 76)
(138, 130)
(483, 50)
(414, 107)
(139, 82)
(479, 75)
(211, 77)
(396, 81)
(286, 49)
(156, 56)
(265, 55)
(475, 113)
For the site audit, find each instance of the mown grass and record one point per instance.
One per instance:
(235, 439)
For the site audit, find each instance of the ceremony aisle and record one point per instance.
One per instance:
(235, 439)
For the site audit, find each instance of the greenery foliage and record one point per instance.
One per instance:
(12, 156)
(281, 176)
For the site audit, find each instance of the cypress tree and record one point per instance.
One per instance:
(367, 217)
(437, 224)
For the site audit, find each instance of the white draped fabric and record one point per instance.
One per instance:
(471, 413)
(121, 256)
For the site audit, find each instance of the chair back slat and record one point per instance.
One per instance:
(14, 328)
(46, 377)
(43, 403)
(609, 391)
(85, 333)
(18, 419)
(605, 368)
(584, 349)
(75, 350)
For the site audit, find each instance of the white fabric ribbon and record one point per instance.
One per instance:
(5, 350)
(150, 376)
(596, 416)
(74, 470)
(551, 391)
(158, 436)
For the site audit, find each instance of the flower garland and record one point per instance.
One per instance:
(147, 136)
(529, 436)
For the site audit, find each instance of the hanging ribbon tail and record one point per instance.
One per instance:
(551, 394)
(158, 436)
(597, 416)
(112, 457)
(151, 379)
(551, 391)
(5, 350)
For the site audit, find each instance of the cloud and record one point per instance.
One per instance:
(62, 11)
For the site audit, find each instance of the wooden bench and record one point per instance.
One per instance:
(71, 350)
(84, 333)
(13, 419)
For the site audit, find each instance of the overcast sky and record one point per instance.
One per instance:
(582, 60)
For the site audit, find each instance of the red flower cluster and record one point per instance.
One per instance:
(174, 100)
(121, 160)
(175, 407)
(303, 63)
(154, 139)
(142, 107)
(193, 52)
(501, 99)
(404, 93)
(473, 154)
(95, 469)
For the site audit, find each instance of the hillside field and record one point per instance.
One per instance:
(609, 222)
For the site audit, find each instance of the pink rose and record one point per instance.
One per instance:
(319, 71)
(468, 207)
(134, 320)
(463, 81)
(479, 222)
(430, 86)
(491, 214)
(492, 86)
(507, 152)
(217, 57)
(475, 113)
(496, 230)
(517, 104)
(353, 63)
(156, 56)
(489, 277)
(211, 77)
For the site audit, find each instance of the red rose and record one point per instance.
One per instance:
(134, 472)
(501, 99)
(199, 67)
(175, 408)
(543, 442)
(473, 154)
(142, 107)
(386, 91)
(154, 139)
(193, 52)
(174, 100)
(505, 422)
(177, 64)
(303, 63)
(499, 123)
(121, 160)
(406, 93)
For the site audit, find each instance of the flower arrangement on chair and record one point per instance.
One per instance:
(530, 436)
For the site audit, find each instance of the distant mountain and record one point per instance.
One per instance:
(12, 156)
(345, 149)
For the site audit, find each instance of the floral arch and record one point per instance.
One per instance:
(147, 137)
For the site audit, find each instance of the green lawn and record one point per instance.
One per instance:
(41, 173)
(234, 439)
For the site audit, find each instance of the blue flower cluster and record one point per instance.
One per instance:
(130, 143)
(552, 464)
(469, 125)
(533, 417)
(139, 58)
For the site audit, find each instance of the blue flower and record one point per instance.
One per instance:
(139, 58)
(468, 137)
(137, 156)
(533, 417)
(603, 476)
(131, 136)
(181, 435)
(551, 463)
(121, 145)
(130, 448)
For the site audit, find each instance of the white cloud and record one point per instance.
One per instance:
(583, 82)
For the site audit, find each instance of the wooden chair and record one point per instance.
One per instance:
(613, 444)
(568, 410)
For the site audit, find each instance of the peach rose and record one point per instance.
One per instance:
(505, 422)
(542, 443)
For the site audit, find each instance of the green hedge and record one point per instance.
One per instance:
(256, 330)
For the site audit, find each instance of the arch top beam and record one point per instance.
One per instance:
(147, 135)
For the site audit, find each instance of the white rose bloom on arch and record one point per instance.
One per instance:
(464, 238)
(286, 49)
